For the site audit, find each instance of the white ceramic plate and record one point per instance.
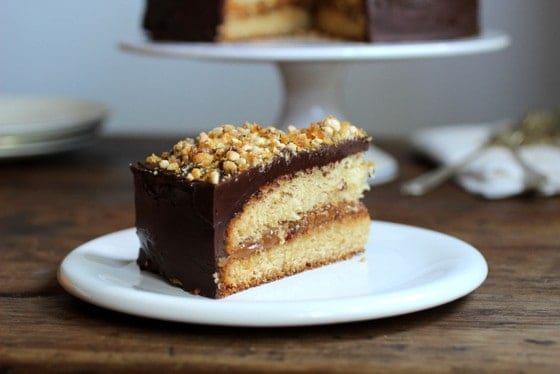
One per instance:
(35, 125)
(17, 149)
(290, 49)
(31, 115)
(405, 269)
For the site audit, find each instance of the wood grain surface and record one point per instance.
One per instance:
(50, 205)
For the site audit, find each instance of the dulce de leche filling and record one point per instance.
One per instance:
(286, 231)
(236, 8)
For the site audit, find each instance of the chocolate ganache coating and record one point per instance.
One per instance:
(398, 20)
(181, 225)
(176, 20)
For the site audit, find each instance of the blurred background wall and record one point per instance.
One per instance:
(69, 48)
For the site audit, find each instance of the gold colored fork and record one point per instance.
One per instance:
(537, 127)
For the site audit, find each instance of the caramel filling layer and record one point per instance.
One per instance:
(286, 231)
(241, 9)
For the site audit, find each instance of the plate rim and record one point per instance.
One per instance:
(314, 50)
(66, 114)
(48, 147)
(302, 312)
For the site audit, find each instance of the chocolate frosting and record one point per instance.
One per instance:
(193, 20)
(181, 225)
(396, 20)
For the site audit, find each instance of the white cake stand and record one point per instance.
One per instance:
(313, 70)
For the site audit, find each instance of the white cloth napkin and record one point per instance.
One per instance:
(495, 174)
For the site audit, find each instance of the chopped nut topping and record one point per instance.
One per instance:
(230, 166)
(227, 150)
(214, 177)
(232, 155)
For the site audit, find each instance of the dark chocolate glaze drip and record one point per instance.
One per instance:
(409, 20)
(193, 20)
(181, 225)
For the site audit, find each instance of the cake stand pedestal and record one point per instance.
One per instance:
(313, 91)
(313, 71)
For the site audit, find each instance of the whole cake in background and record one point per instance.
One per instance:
(358, 20)
(241, 206)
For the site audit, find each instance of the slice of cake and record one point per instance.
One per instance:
(240, 206)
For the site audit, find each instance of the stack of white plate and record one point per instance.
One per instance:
(32, 126)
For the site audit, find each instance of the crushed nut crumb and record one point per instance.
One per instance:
(227, 150)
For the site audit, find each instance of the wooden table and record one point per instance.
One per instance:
(49, 206)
